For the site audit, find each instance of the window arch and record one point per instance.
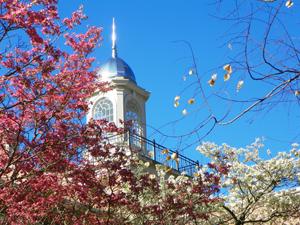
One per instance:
(103, 110)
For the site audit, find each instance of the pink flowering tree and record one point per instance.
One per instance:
(42, 104)
(44, 176)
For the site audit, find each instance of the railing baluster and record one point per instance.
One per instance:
(154, 149)
(178, 161)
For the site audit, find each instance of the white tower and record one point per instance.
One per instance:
(126, 101)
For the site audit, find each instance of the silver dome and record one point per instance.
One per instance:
(116, 67)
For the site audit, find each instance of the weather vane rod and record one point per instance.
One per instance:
(114, 38)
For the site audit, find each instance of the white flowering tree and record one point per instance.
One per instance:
(256, 190)
(162, 196)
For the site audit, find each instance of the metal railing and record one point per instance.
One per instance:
(160, 154)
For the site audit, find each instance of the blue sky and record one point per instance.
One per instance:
(147, 32)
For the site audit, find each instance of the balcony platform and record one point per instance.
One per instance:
(157, 153)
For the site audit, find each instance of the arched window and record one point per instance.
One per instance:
(133, 115)
(103, 110)
(134, 118)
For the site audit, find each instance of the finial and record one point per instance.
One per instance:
(114, 38)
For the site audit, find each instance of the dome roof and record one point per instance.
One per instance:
(116, 67)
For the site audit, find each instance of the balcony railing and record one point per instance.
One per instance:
(160, 154)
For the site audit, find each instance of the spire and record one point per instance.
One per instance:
(114, 38)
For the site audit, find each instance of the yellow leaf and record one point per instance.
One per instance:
(289, 3)
(226, 77)
(191, 72)
(214, 76)
(211, 82)
(165, 151)
(213, 79)
(177, 98)
(168, 169)
(168, 157)
(176, 101)
(196, 174)
(297, 93)
(174, 156)
(191, 101)
(151, 154)
(239, 85)
(228, 68)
